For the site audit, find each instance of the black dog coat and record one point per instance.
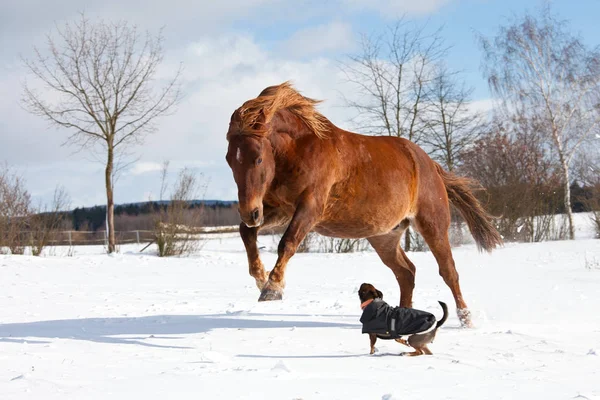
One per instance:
(393, 322)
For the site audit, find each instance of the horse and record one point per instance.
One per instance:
(295, 169)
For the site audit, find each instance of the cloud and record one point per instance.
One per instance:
(145, 167)
(396, 8)
(482, 105)
(331, 37)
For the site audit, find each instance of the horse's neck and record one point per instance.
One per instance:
(287, 123)
(282, 145)
(287, 130)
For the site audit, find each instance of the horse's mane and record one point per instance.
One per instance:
(269, 101)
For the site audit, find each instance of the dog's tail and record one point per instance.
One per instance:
(445, 316)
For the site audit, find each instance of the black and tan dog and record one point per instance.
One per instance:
(380, 320)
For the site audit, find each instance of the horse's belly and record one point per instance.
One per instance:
(358, 220)
(350, 231)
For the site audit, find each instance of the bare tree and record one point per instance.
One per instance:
(98, 82)
(45, 222)
(450, 125)
(177, 227)
(15, 207)
(521, 179)
(392, 74)
(537, 66)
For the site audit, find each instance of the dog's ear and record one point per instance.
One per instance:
(379, 294)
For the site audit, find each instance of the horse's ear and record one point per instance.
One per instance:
(380, 295)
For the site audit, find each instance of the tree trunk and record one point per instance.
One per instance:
(110, 204)
(407, 239)
(565, 170)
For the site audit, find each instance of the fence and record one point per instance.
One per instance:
(81, 238)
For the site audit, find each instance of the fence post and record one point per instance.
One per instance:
(137, 233)
(70, 241)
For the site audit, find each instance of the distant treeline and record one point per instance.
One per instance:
(142, 216)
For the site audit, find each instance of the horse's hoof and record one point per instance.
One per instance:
(464, 316)
(270, 295)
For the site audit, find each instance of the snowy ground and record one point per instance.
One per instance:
(135, 326)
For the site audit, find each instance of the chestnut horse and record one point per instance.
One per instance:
(294, 168)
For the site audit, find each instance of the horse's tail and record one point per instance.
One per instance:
(460, 194)
(445, 316)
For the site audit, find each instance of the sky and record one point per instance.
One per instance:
(230, 51)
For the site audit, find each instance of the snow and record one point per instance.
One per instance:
(135, 326)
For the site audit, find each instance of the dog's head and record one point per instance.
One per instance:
(368, 292)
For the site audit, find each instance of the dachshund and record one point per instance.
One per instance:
(380, 320)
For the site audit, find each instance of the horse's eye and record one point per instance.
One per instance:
(258, 160)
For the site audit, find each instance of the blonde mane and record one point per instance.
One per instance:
(273, 99)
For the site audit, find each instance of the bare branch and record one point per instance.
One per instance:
(392, 73)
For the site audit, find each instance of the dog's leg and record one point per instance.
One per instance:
(417, 352)
(373, 338)
(402, 341)
(427, 351)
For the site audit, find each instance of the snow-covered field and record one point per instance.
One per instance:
(136, 326)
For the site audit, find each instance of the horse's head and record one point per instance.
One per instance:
(253, 165)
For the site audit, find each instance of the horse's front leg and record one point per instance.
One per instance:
(306, 216)
(257, 270)
(272, 217)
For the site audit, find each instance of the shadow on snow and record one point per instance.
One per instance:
(105, 330)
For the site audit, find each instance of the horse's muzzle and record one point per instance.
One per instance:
(253, 219)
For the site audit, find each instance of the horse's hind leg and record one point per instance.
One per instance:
(433, 223)
(388, 248)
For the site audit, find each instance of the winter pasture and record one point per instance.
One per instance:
(135, 326)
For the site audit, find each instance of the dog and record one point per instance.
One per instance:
(380, 320)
